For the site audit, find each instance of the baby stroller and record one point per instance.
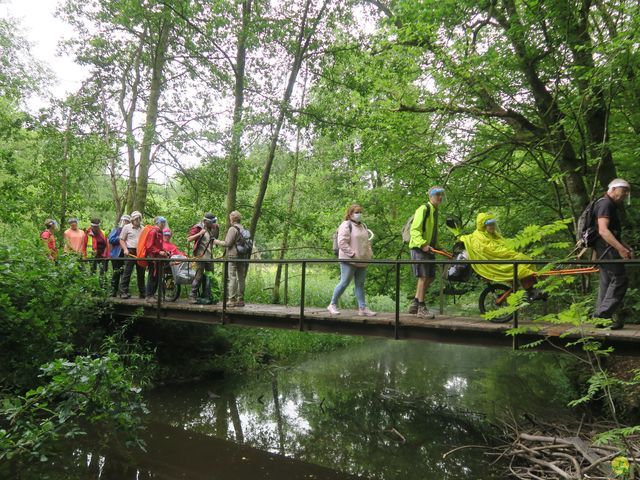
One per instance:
(181, 273)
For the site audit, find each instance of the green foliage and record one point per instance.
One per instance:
(100, 392)
(46, 309)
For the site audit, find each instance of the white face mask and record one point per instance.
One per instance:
(356, 217)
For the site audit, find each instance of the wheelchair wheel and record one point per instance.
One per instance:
(171, 290)
(489, 299)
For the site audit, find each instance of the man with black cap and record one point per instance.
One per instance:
(609, 245)
(203, 234)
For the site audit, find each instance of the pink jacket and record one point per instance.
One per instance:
(354, 244)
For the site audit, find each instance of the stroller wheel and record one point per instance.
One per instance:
(171, 290)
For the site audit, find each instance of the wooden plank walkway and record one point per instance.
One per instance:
(444, 328)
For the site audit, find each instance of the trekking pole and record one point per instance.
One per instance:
(443, 253)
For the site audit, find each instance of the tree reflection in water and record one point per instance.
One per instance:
(385, 410)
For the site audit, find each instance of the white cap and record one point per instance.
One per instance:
(135, 214)
(619, 183)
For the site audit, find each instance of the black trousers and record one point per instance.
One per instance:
(613, 286)
(154, 270)
(118, 268)
(126, 274)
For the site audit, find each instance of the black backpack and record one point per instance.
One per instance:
(587, 229)
(244, 244)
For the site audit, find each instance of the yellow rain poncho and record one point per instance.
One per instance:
(481, 245)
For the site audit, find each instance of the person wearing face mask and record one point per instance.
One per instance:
(609, 245)
(353, 244)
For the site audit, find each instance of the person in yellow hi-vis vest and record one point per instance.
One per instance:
(424, 238)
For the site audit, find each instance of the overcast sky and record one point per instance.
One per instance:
(44, 31)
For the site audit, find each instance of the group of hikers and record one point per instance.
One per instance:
(129, 239)
(486, 243)
(352, 242)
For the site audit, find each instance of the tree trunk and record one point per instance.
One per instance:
(302, 45)
(593, 94)
(294, 183)
(237, 127)
(159, 61)
(547, 108)
(127, 115)
(64, 180)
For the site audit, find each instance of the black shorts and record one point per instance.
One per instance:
(427, 270)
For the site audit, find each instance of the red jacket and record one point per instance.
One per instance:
(171, 249)
(154, 242)
(94, 244)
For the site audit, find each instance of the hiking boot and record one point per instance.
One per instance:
(365, 312)
(618, 322)
(141, 296)
(193, 299)
(424, 312)
(333, 310)
(240, 303)
(125, 296)
(413, 306)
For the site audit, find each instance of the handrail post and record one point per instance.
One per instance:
(514, 287)
(442, 289)
(302, 293)
(397, 320)
(286, 284)
(225, 277)
(160, 286)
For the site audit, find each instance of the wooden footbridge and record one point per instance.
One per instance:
(444, 328)
(396, 325)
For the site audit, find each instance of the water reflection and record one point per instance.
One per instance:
(386, 410)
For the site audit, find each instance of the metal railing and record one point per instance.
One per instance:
(161, 264)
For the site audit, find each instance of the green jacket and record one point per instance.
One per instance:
(418, 239)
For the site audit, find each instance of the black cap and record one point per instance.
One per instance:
(210, 217)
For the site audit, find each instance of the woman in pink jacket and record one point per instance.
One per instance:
(353, 244)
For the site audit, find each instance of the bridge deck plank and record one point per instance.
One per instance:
(442, 328)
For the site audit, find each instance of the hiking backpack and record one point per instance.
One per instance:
(586, 228)
(406, 229)
(244, 244)
(141, 250)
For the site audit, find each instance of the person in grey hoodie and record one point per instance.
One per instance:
(353, 244)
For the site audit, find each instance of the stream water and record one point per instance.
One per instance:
(380, 410)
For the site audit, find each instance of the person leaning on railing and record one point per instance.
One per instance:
(96, 246)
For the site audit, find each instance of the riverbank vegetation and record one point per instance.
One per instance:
(289, 112)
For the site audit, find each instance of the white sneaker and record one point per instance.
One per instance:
(333, 310)
(365, 312)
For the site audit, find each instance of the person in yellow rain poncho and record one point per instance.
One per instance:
(485, 243)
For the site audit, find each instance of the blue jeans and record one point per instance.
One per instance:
(347, 273)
